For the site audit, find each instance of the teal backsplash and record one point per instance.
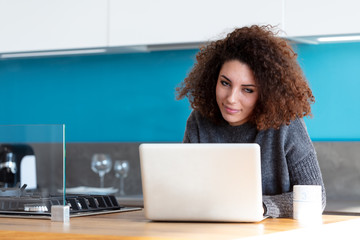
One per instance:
(131, 97)
(100, 98)
(334, 75)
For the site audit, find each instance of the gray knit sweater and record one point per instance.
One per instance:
(288, 157)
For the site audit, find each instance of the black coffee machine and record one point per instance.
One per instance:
(11, 157)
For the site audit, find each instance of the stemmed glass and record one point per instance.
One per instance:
(101, 164)
(121, 168)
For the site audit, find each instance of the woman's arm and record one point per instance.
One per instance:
(304, 172)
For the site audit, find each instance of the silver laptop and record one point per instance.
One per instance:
(201, 182)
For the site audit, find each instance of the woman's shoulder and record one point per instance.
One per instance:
(196, 117)
(196, 126)
(195, 120)
(294, 132)
(297, 126)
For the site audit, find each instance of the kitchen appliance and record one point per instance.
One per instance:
(17, 166)
(19, 202)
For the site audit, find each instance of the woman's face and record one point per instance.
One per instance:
(236, 92)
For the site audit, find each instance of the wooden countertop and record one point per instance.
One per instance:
(133, 225)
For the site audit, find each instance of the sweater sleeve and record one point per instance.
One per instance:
(304, 172)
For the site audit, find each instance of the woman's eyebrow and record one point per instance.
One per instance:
(244, 85)
(226, 78)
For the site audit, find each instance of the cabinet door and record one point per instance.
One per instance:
(35, 25)
(321, 17)
(143, 22)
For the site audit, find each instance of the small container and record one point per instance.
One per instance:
(307, 203)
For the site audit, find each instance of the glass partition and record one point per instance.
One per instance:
(32, 167)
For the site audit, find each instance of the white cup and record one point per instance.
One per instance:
(307, 203)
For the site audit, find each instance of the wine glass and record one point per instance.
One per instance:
(101, 164)
(121, 168)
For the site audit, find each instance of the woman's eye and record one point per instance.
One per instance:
(248, 90)
(224, 83)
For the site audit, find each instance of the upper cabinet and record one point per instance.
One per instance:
(321, 17)
(41, 25)
(38, 25)
(143, 22)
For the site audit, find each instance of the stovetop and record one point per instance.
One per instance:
(17, 202)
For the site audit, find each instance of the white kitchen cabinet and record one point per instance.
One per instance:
(143, 22)
(41, 25)
(321, 17)
(38, 25)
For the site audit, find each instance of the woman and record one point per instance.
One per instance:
(249, 88)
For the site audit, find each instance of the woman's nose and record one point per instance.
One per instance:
(232, 97)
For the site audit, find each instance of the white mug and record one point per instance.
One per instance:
(307, 203)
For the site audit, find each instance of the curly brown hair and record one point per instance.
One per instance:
(284, 93)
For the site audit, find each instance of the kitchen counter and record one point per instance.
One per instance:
(131, 201)
(133, 225)
(344, 207)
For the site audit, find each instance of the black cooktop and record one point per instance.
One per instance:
(17, 202)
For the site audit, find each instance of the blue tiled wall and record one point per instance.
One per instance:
(103, 98)
(131, 97)
(334, 75)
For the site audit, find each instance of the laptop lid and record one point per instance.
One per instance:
(201, 182)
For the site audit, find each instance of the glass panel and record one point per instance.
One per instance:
(32, 164)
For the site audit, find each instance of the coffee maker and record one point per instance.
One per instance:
(17, 166)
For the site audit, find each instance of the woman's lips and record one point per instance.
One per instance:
(231, 110)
